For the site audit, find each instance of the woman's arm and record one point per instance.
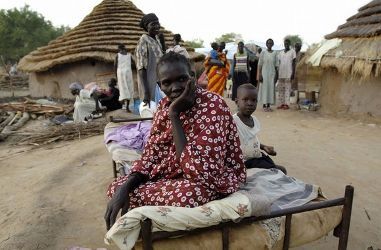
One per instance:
(116, 67)
(232, 67)
(248, 63)
(178, 134)
(121, 200)
(184, 102)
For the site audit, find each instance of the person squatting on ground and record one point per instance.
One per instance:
(268, 75)
(286, 75)
(248, 127)
(123, 72)
(85, 103)
(110, 99)
(193, 154)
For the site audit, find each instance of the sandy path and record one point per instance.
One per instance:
(54, 197)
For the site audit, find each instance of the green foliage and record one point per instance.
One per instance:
(229, 37)
(23, 30)
(294, 39)
(196, 43)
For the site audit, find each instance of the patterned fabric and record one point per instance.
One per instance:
(210, 166)
(265, 191)
(284, 90)
(240, 62)
(146, 45)
(148, 52)
(217, 76)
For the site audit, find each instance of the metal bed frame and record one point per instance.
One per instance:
(341, 231)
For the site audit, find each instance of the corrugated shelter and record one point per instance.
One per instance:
(351, 73)
(87, 52)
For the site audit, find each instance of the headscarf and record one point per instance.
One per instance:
(151, 17)
(75, 86)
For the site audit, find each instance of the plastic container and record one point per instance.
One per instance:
(146, 111)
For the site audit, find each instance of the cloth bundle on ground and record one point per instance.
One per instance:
(265, 191)
(125, 141)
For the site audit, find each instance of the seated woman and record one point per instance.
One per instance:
(111, 99)
(84, 104)
(193, 155)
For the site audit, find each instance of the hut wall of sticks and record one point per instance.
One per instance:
(351, 72)
(87, 50)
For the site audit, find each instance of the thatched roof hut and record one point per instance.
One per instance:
(351, 72)
(359, 53)
(88, 50)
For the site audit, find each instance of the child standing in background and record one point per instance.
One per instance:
(123, 73)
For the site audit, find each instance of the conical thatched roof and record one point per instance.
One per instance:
(112, 22)
(366, 23)
(359, 53)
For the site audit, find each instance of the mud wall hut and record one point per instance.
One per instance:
(351, 72)
(87, 52)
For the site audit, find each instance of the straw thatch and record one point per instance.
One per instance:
(366, 23)
(358, 57)
(112, 22)
(359, 54)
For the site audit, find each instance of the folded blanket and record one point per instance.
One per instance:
(281, 190)
(131, 136)
(264, 190)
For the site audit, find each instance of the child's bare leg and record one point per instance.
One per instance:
(128, 106)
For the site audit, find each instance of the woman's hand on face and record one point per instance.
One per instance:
(120, 201)
(185, 101)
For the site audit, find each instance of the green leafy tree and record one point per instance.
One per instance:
(294, 39)
(23, 30)
(229, 37)
(196, 43)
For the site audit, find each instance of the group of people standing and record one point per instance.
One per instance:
(276, 70)
(267, 70)
(150, 48)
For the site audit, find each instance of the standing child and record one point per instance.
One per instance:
(268, 75)
(248, 128)
(123, 73)
(286, 75)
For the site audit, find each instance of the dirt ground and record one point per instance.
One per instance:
(54, 197)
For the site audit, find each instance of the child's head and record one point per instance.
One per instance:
(174, 72)
(121, 47)
(246, 99)
(241, 46)
(214, 45)
(176, 39)
(112, 83)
